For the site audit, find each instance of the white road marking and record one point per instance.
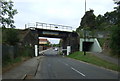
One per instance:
(66, 64)
(63, 63)
(73, 68)
(77, 71)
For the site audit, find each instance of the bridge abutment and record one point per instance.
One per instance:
(71, 40)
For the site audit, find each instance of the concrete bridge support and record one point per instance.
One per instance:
(71, 40)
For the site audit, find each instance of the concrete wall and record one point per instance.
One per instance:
(74, 42)
(71, 40)
(29, 38)
(95, 47)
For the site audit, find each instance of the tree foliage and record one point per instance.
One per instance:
(115, 35)
(88, 20)
(7, 13)
(10, 36)
(115, 40)
(87, 23)
(109, 19)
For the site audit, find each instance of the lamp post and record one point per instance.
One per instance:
(85, 5)
(84, 43)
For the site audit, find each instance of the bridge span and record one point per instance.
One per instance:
(65, 33)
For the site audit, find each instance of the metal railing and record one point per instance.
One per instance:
(49, 26)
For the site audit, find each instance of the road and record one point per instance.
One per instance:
(53, 66)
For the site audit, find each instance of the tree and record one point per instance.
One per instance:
(7, 13)
(88, 20)
(107, 21)
(118, 12)
(88, 23)
(99, 21)
(111, 17)
(115, 35)
(115, 40)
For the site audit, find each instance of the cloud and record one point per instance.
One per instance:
(52, 40)
(65, 12)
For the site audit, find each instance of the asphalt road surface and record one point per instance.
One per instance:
(53, 66)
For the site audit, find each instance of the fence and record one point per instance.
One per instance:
(49, 26)
(12, 52)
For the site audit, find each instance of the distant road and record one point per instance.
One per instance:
(53, 66)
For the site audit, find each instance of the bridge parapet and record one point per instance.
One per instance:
(49, 26)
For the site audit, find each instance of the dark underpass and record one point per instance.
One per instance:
(87, 46)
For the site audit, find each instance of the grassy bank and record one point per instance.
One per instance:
(90, 58)
(101, 41)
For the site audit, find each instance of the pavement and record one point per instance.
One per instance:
(28, 67)
(107, 58)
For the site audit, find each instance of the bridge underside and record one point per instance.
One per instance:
(52, 33)
(69, 38)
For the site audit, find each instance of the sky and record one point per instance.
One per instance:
(62, 12)
(52, 40)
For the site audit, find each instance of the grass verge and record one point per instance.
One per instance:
(90, 58)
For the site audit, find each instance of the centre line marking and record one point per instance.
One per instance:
(66, 64)
(77, 71)
(63, 63)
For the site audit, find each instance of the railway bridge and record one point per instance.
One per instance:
(65, 33)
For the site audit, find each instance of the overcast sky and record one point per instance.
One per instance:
(63, 12)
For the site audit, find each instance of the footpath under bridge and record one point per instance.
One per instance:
(49, 26)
